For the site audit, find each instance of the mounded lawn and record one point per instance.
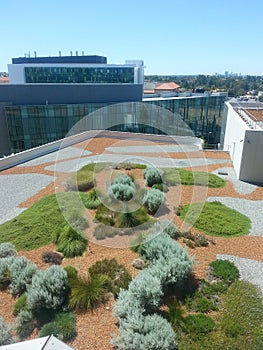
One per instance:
(33, 228)
(216, 219)
(173, 176)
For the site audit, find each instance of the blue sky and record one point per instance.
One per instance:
(172, 37)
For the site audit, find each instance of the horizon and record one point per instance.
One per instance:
(203, 39)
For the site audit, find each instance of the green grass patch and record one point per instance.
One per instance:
(173, 176)
(216, 219)
(34, 227)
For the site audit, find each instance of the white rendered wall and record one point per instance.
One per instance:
(251, 169)
(16, 73)
(234, 137)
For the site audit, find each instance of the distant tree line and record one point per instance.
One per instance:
(235, 86)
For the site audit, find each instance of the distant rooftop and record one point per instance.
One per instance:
(60, 59)
(167, 86)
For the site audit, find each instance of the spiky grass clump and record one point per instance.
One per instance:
(71, 243)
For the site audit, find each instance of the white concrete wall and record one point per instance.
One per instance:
(251, 169)
(234, 137)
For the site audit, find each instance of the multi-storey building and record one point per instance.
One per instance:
(46, 96)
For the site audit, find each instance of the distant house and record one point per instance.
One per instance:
(167, 87)
(45, 343)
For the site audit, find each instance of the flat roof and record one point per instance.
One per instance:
(60, 59)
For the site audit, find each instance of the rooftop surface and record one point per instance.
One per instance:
(56, 167)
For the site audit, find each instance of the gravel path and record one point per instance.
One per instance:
(155, 149)
(240, 186)
(65, 153)
(16, 189)
(250, 270)
(250, 208)
(76, 164)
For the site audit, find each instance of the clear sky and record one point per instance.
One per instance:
(171, 36)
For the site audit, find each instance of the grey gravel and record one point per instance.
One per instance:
(252, 209)
(76, 164)
(155, 149)
(240, 186)
(16, 189)
(250, 270)
(65, 153)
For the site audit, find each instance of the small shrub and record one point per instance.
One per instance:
(154, 199)
(21, 272)
(166, 226)
(121, 191)
(71, 243)
(48, 290)
(132, 219)
(24, 324)
(7, 249)
(151, 332)
(137, 242)
(102, 231)
(118, 276)
(124, 180)
(199, 324)
(4, 272)
(224, 270)
(63, 327)
(161, 187)
(204, 305)
(76, 219)
(104, 215)
(86, 294)
(5, 332)
(71, 271)
(81, 181)
(52, 258)
(20, 304)
(152, 176)
(92, 200)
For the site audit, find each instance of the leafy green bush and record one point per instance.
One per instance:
(117, 274)
(161, 187)
(154, 199)
(82, 181)
(24, 324)
(173, 176)
(214, 218)
(63, 327)
(151, 332)
(86, 294)
(7, 249)
(5, 332)
(71, 271)
(225, 270)
(199, 324)
(71, 243)
(48, 290)
(20, 304)
(152, 176)
(102, 231)
(92, 200)
(203, 304)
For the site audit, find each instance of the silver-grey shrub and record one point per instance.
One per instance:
(21, 272)
(24, 323)
(121, 191)
(123, 179)
(7, 249)
(154, 199)
(152, 176)
(165, 226)
(48, 289)
(139, 332)
(5, 332)
(126, 304)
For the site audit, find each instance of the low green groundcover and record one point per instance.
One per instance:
(216, 219)
(34, 227)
